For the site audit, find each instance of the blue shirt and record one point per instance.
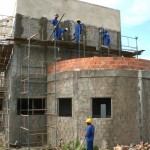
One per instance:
(61, 32)
(106, 35)
(90, 133)
(55, 22)
(78, 28)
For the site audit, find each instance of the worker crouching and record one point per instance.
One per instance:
(61, 33)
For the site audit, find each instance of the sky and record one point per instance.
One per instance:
(135, 19)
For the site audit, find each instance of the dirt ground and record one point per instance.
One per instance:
(25, 148)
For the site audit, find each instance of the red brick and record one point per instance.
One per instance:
(101, 62)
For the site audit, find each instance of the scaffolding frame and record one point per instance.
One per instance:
(25, 119)
(128, 46)
(5, 111)
(6, 26)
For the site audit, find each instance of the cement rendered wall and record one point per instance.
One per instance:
(37, 90)
(26, 27)
(128, 90)
(73, 9)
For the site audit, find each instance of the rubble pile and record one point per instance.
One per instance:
(140, 146)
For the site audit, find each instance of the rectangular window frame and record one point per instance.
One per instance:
(92, 113)
(58, 107)
(1, 104)
(32, 109)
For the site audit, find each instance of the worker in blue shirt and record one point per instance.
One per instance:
(89, 136)
(78, 30)
(106, 38)
(61, 33)
(56, 27)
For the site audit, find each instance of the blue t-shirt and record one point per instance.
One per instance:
(61, 32)
(90, 133)
(106, 36)
(78, 28)
(55, 22)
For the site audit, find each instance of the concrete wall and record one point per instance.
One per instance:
(73, 9)
(16, 71)
(26, 27)
(127, 89)
(124, 127)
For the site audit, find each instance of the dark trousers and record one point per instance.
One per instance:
(89, 145)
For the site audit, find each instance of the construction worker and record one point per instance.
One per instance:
(61, 33)
(106, 37)
(89, 136)
(56, 27)
(78, 30)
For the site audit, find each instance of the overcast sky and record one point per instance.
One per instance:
(135, 18)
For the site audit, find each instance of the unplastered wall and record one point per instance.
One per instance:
(73, 9)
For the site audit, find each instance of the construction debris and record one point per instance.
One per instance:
(140, 146)
(16, 144)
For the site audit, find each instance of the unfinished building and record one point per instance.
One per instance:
(50, 87)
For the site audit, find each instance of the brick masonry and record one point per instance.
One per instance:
(101, 62)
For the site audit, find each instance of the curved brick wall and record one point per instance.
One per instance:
(101, 62)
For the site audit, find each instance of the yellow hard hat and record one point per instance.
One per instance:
(88, 120)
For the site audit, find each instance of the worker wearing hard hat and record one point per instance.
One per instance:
(61, 33)
(106, 38)
(78, 30)
(89, 136)
(56, 27)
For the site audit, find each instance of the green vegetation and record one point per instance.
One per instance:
(75, 145)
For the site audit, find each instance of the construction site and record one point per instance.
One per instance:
(48, 88)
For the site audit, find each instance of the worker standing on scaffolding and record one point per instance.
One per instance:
(56, 27)
(78, 30)
(61, 33)
(106, 38)
(89, 135)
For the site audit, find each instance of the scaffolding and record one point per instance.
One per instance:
(5, 109)
(130, 44)
(28, 75)
(27, 136)
(6, 26)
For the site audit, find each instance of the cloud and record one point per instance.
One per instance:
(136, 13)
(133, 12)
